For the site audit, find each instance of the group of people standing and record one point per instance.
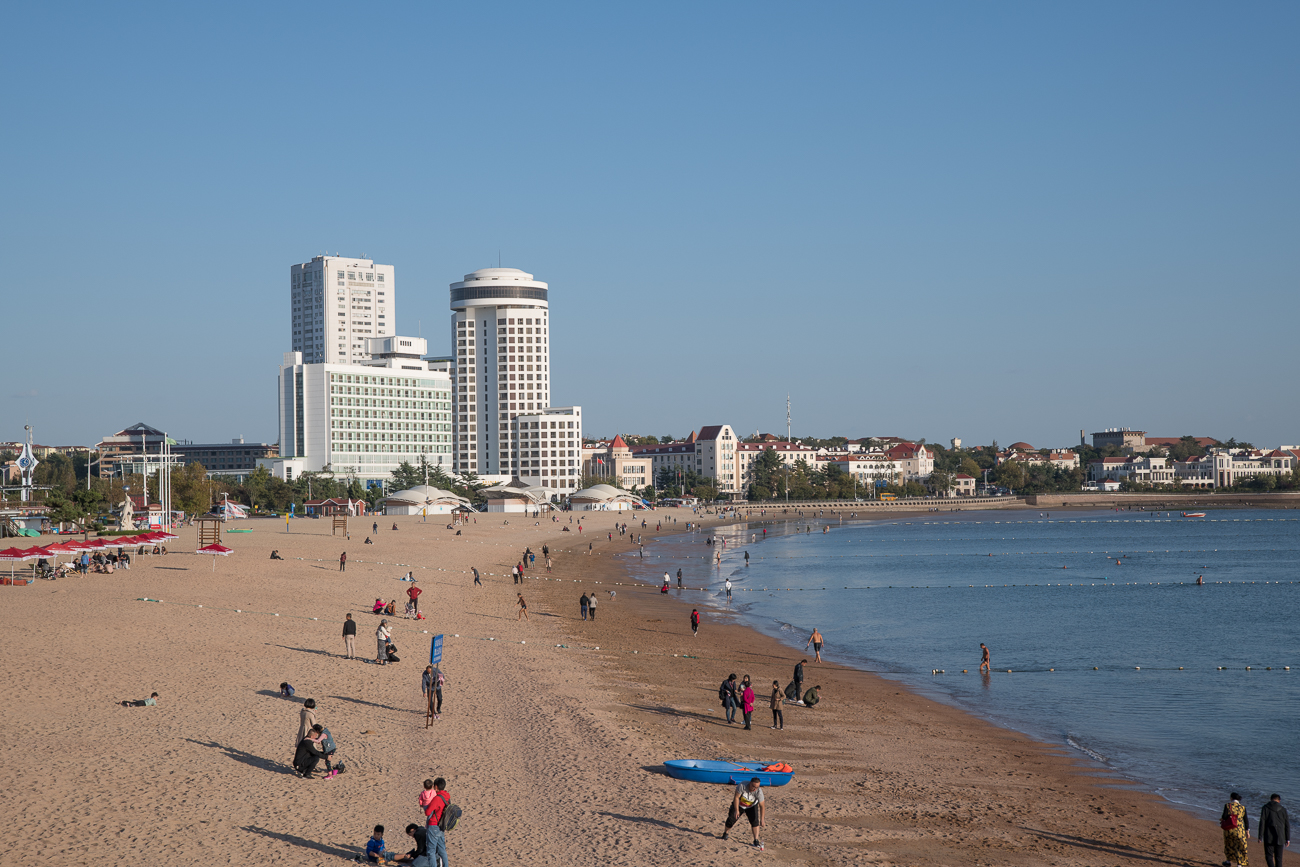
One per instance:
(740, 696)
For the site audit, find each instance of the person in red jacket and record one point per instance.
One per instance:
(436, 842)
(414, 592)
(695, 621)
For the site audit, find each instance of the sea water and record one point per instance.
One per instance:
(1101, 640)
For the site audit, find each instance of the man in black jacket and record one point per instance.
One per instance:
(1274, 830)
(419, 856)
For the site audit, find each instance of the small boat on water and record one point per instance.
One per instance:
(1193, 514)
(725, 771)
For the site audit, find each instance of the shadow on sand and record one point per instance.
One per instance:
(1111, 849)
(323, 848)
(249, 759)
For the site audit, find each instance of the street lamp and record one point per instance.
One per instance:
(225, 506)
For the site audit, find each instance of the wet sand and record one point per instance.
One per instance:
(554, 753)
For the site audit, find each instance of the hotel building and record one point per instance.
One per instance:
(363, 419)
(500, 370)
(337, 303)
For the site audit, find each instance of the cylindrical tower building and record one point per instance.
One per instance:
(501, 335)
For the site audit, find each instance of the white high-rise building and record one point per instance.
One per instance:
(337, 303)
(501, 369)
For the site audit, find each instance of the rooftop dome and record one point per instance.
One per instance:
(422, 494)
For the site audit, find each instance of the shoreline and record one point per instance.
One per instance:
(552, 738)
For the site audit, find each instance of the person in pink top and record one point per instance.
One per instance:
(746, 699)
(427, 796)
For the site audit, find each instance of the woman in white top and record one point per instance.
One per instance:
(382, 634)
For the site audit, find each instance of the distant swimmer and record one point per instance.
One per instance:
(984, 659)
(1200, 580)
(816, 641)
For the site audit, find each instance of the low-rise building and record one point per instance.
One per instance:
(789, 453)
(616, 461)
(963, 485)
(235, 458)
(1138, 469)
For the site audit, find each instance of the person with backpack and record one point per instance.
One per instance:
(1236, 825)
(695, 622)
(441, 815)
(727, 695)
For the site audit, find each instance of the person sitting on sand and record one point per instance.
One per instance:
(812, 696)
(379, 607)
(287, 690)
(394, 526)
(275, 555)
(391, 608)
(376, 850)
(151, 701)
(368, 542)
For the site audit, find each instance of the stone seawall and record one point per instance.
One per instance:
(1156, 500)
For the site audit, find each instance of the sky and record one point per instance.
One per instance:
(1004, 221)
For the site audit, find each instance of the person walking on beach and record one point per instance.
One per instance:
(798, 679)
(777, 702)
(679, 579)
(591, 606)
(695, 622)
(1236, 826)
(747, 800)
(523, 608)
(375, 529)
(477, 583)
(1274, 830)
(727, 694)
(382, 635)
(431, 688)
(349, 636)
(728, 586)
(414, 592)
(816, 641)
(343, 562)
(984, 659)
(746, 700)
(583, 601)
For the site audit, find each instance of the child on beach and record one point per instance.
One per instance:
(151, 701)
(427, 796)
(376, 849)
(287, 690)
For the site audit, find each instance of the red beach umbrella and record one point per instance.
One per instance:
(215, 551)
(15, 555)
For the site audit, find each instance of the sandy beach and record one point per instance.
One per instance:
(553, 730)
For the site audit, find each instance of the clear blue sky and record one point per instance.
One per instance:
(1004, 221)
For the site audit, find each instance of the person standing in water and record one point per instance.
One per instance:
(984, 659)
(816, 641)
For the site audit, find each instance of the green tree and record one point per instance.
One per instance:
(941, 483)
(1009, 474)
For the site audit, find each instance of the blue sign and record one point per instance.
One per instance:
(371, 484)
(435, 650)
(881, 483)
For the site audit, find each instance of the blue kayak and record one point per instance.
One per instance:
(724, 771)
